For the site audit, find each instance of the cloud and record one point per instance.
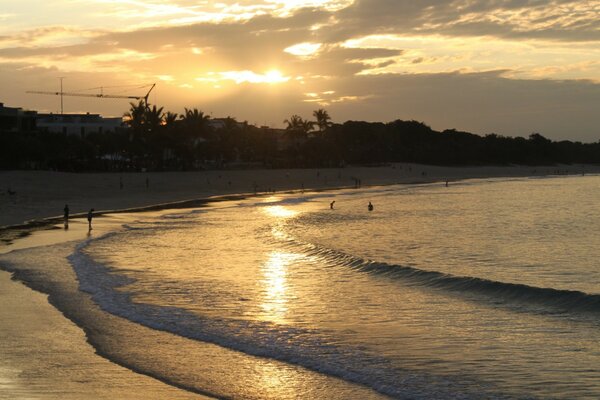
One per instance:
(510, 66)
(481, 103)
(567, 20)
(269, 77)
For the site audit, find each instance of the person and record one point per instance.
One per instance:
(66, 210)
(370, 207)
(90, 216)
(331, 204)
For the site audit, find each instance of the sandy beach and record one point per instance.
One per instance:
(38, 344)
(43, 194)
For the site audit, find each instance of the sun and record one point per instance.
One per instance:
(274, 76)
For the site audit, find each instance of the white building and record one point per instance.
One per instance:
(78, 124)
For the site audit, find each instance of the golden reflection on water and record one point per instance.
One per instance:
(280, 211)
(276, 380)
(275, 285)
(279, 214)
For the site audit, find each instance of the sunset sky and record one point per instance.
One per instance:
(511, 67)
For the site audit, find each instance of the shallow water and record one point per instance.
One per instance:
(485, 288)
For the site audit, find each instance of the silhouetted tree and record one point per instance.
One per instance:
(298, 125)
(195, 135)
(323, 119)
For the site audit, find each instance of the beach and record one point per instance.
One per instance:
(43, 194)
(42, 349)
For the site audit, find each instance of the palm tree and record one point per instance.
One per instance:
(323, 119)
(154, 118)
(170, 118)
(195, 131)
(298, 125)
(195, 121)
(136, 118)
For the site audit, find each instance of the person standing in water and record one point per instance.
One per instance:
(90, 216)
(331, 204)
(370, 206)
(66, 210)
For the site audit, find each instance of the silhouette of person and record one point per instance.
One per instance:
(66, 210)
(370, 206)
(89, 217)
(331, 204)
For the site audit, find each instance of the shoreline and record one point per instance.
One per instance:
(12, 233)
(15, 228)
(38, 268)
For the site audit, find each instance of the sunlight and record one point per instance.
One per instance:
(280, 211)
(271, 77)
(274, 76)
(275, 285)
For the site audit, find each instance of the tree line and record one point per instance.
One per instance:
(160, 140)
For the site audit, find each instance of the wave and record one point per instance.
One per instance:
(550, 299)
(306, 347)
(298, 346)
(555, 299)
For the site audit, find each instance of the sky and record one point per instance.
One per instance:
(510, 67)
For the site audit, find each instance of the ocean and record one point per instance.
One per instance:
(479, 289)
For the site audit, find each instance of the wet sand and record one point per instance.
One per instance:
(44, 355)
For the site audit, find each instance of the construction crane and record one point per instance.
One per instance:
(100, 95)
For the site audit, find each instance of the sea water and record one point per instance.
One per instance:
(479, 289)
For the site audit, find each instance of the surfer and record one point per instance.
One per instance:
(370, 206)
(331, 205)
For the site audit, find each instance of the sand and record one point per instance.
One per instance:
(42, 194)
(38, 344)
(41, 351)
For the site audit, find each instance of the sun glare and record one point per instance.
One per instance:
(280, 212)
(272, 76)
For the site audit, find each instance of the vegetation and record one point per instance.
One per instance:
(158, 140)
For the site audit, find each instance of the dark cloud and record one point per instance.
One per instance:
(567, 20)
(481, 103)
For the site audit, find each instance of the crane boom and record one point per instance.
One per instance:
(96, 95)
(108, 96)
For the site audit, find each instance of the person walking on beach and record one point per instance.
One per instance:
(90, 216)
(331, 205)
(66, 210)
(370, 206)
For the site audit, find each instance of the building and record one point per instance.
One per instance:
(78, 124)
(16, 119)
(218, 124)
